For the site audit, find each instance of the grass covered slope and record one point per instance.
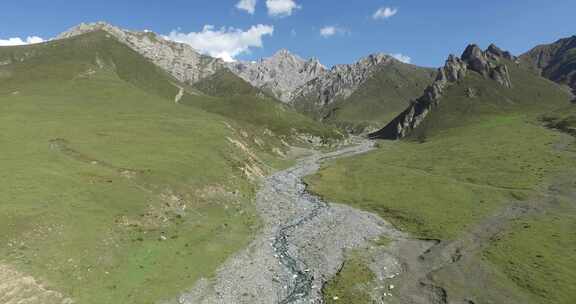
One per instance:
(472, 157)
(238, 100)
(563, 119)
(476, 97)
(439, 188)
(537, 254)
(113, 191)
(365, 95)
(381, 97)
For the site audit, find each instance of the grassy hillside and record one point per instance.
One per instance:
(471, 159)
(380, 98)
(563, 119)
(114, 192)
(238, 100)
(476, 97)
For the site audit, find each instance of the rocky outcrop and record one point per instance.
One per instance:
(342, 80)
(488, 63)
(280, 74)
(491, 63)
(496, 53)
(180, 60)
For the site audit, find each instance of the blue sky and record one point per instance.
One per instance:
(426, 31)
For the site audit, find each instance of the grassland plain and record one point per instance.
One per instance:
(111, 191)
(473, 157)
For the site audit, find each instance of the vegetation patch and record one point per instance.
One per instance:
(539, 255)
(563, 119)
(351, 284)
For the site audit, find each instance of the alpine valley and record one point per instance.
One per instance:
(139, 170)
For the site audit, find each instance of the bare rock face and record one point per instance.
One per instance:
(490, 64)
(476, 59)
(280, 74)
(180, 60)
(496, 53)
(342, 80)
(501, 74)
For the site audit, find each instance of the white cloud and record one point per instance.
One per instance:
(247, 5)
(384, 13)
(224, 43)
(20, 41)
(281, 8)
(329, 31)
(402, 57)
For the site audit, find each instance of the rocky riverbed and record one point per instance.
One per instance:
(301, 246)
(304, 243)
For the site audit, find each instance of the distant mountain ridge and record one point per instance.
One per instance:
(364, 95)
(360, 97)
(179, 59)
(281, 75)
(342, 80)
(284, 75)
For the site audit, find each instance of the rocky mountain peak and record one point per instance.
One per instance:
(487, 63)
(343, 79)
(283, 57)
(178, 59)
(284, 53)
(497, 52)
(375, 59)
(366, 63)
(280, 74)
(471, 52)
(84, 28)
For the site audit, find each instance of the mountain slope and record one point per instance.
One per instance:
(280, 75)
(563, 119)
(179, 59)
(364, 93)
(306, 84)
(120, 188)
(555, 61)
(477, 84)
(483, 178)
(381, 97)
(240, 101)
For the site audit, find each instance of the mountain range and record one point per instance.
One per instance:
(359, 97)
(305, 84)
